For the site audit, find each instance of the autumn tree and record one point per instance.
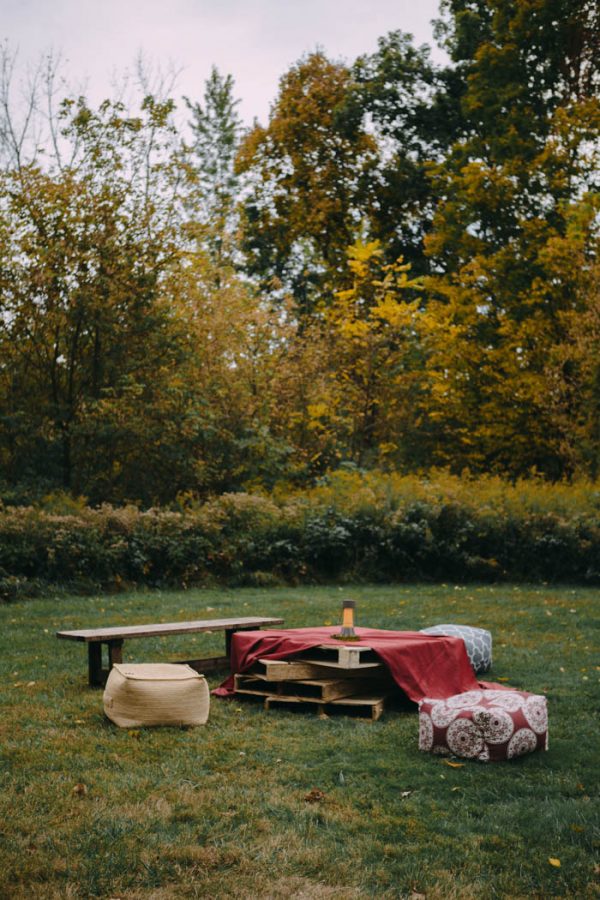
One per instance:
(86, 244)
(306, 183)
(362, 408)
(506, 191)
(572, 368)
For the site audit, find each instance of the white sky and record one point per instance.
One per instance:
(254, 40)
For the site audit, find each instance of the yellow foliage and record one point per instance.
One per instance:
(317, 410)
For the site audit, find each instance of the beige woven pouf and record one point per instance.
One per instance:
(156, 694)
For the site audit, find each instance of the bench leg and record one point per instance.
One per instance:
(115, 653)
(229, 632)
(95, 674)
(228, 635)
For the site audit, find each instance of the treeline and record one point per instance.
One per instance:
(398, 271)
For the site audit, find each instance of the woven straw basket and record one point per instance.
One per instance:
(156, 694)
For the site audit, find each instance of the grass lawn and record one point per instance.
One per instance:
(89, 810)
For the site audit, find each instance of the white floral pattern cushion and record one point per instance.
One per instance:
(487, 725)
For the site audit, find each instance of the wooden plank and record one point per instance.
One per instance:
(155, 630)
(327, 689)
(299, 669)
(347, 657)
(364, 670)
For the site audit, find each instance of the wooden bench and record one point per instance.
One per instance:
(114, 638)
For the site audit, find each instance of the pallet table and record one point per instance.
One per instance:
(326, 678)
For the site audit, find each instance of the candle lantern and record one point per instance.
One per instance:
(347, 633)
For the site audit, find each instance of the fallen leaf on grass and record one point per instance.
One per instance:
(314, 796)
(448, 762)
(80, 790)
(554, 862)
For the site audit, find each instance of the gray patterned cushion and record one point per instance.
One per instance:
(478, 643)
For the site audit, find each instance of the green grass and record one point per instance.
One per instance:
(219, 811)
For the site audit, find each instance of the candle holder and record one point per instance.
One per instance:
(347, 633)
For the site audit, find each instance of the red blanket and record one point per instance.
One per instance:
(423, 665)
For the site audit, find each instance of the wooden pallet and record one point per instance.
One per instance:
(372, 707)
(321, 691)
(331, 677)
(300, 669)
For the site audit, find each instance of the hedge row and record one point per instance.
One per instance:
(354, 527)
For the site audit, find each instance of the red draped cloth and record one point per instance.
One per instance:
(423, 665)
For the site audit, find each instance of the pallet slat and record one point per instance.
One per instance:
(299, 669)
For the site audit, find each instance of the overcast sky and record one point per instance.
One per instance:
(254, 40)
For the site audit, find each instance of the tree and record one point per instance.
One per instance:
(506, 192)
(86, 246)
(364, 411)
(307, 182)
(213, 198)
(572, 367)
(412, 108)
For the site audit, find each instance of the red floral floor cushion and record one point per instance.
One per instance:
(484, 725)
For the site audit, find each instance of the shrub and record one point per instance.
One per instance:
(362, 526)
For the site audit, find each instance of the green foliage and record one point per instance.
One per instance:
(211, 202)
(87, 330)
(410, 106)
(370, 527)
